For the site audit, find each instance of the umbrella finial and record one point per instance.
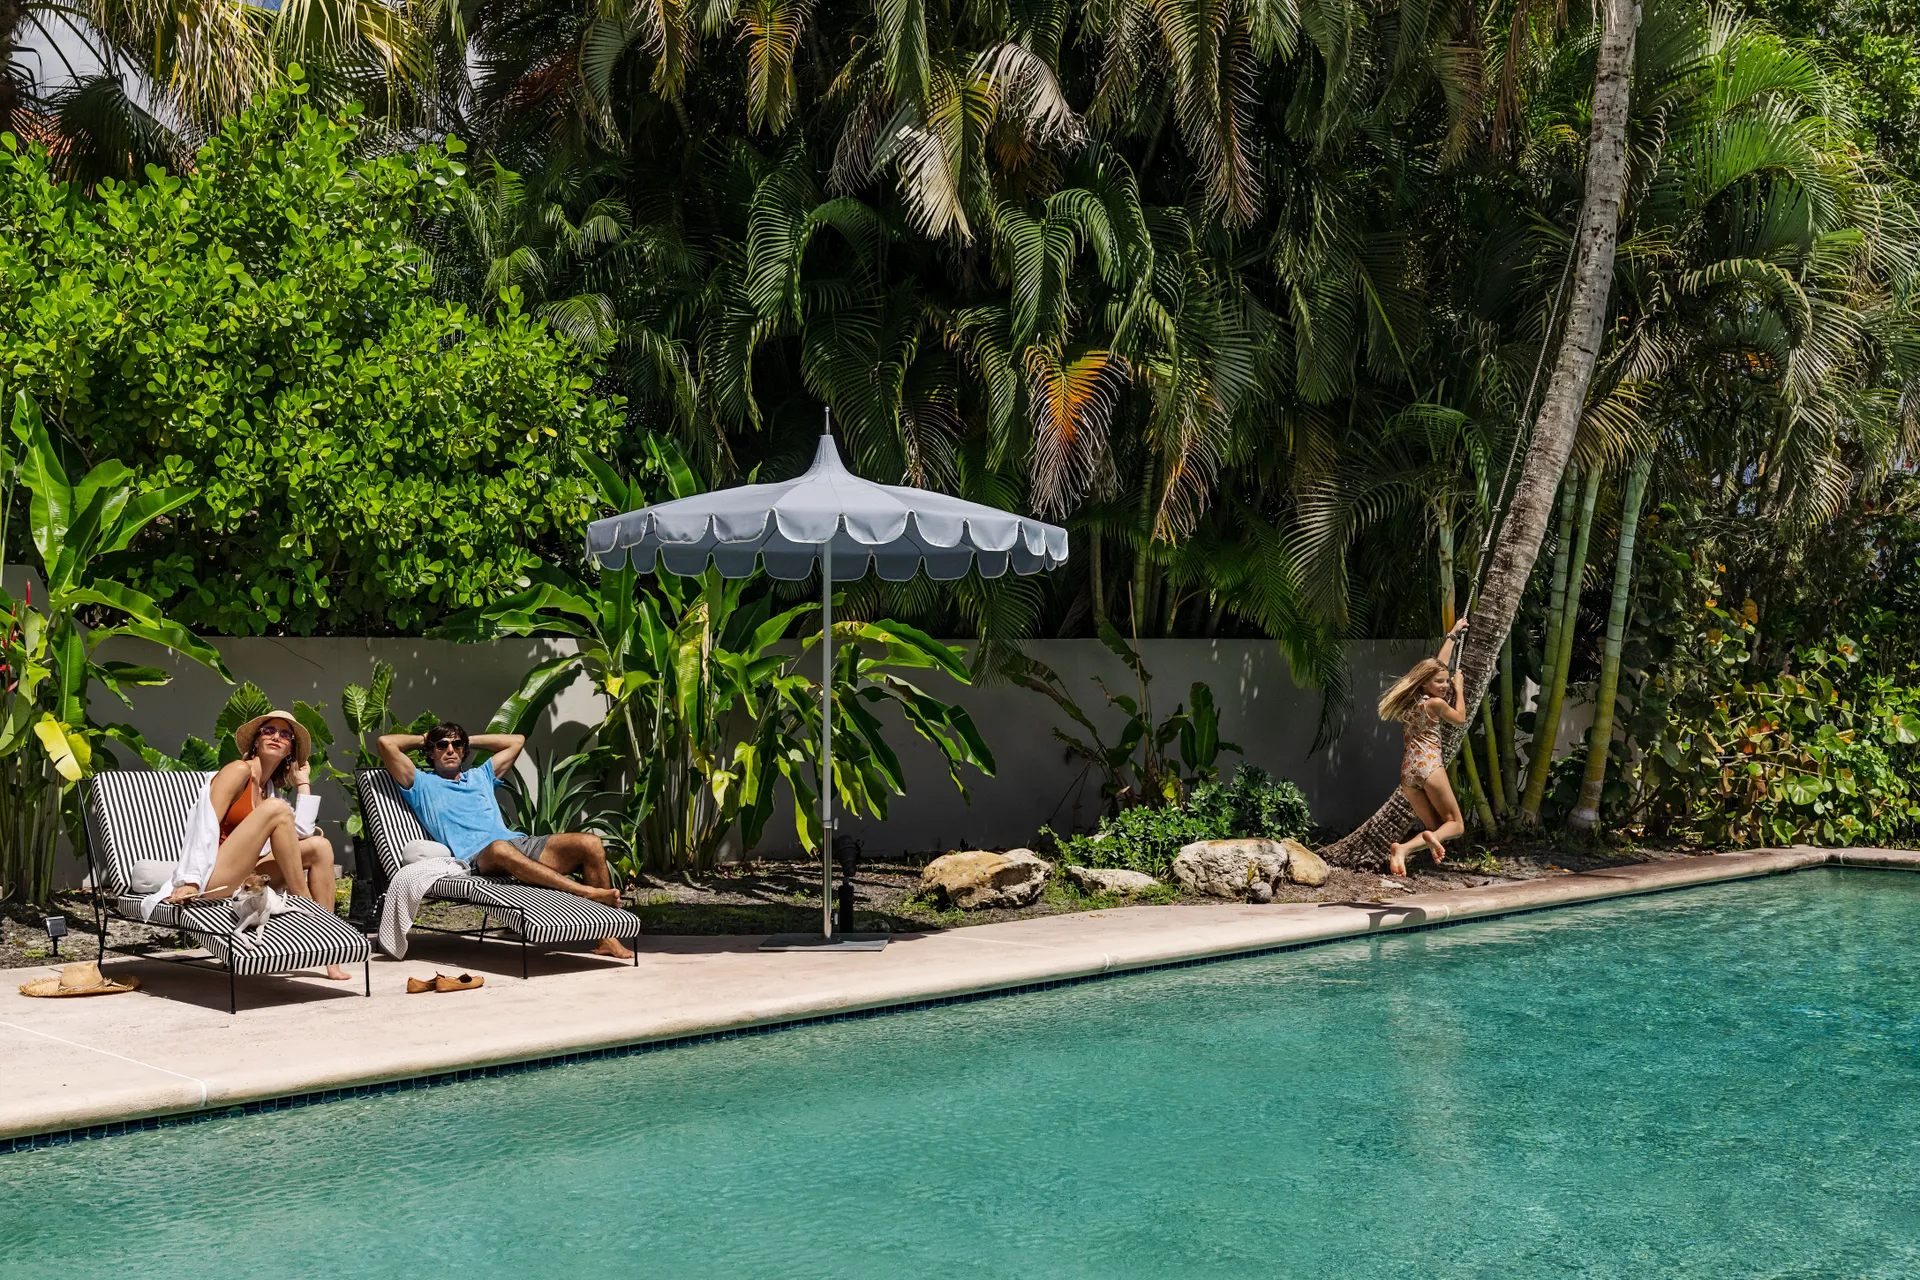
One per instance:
(828, 429)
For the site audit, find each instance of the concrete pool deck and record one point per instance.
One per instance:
(172, 1049)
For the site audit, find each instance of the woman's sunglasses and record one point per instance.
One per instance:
(275, 731)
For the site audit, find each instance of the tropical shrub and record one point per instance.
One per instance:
(704, 715)
(49, 739)
(1824, 752)
(1253, 804)
(1152, 762)
(262, 329)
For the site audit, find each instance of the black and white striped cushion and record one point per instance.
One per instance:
(304, 936)
(390, 820)
(549, 915)
(139, 814)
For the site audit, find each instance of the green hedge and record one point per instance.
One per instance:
(263, 327)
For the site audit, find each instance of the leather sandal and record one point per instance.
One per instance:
(465, 982)
(416, 985)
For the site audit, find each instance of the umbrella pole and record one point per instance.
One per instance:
(826, 738)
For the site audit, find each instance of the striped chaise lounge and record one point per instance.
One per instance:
(539, 916)
(138, 815)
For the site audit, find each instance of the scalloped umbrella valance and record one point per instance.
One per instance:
(894, 531)
(833, 520)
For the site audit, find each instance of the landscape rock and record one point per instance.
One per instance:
(1226, 868)
(1304, 866)
(1110, 880)
(980, 880)
(1259, 891)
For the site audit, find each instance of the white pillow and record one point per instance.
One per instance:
(151, 875)
(420, 850)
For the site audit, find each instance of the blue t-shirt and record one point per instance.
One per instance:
(461, 813)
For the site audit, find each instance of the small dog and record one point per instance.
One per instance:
(254, 903)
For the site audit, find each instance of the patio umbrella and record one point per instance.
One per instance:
(845, 525)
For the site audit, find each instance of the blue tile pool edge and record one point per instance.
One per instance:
(437, 1079)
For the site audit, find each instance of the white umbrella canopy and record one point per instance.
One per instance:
(831, 520)
(894, 531)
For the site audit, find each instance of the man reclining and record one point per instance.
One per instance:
(459, 809)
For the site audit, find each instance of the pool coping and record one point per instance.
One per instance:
(1127, 941)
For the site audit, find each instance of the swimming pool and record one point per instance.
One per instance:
(1718, 1082)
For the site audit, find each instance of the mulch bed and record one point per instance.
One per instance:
(780, 897)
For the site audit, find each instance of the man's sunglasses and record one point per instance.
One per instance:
(453, 743)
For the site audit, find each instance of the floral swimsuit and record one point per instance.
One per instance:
(1423, 748)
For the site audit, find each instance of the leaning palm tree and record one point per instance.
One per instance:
(1551, 440)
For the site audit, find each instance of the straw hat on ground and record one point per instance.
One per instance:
(82, 979)
(302, 743)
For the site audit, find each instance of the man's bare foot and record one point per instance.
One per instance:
(337, 973)
(613, 947)
(605, 897)
(1434, 843)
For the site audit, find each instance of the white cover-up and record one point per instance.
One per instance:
(200, 845)
(405, 892)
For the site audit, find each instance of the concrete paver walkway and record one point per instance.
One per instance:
(173, 1048)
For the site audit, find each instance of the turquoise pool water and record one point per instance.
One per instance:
(1713, 1083)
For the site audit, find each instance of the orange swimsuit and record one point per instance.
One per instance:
(237, 812)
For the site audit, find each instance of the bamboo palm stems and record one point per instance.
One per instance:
(1587, 812)
(1546, 726)
(1556, 611)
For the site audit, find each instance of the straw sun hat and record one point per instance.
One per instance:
(83, 979)
(302, 743)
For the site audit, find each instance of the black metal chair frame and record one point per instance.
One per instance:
(478, 935)
(104, 911)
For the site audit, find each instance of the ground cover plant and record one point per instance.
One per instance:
(1145, 838)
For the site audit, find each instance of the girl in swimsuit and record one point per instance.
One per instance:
(257, 834)
(1420, 700)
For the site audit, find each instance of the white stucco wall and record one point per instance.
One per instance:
(1036, 780)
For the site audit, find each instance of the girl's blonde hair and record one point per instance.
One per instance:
(1404, 698)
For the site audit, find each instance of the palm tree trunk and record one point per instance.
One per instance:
(1509, 759)
(1600, 740)
(1443, 526)
(1481, 809)
(1547, 726)
(1518, 545)
(1495, 792)
(1556, 612)
(1095, 586)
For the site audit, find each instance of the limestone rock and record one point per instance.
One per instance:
(1226, 868)
(1110, 880)
(1259, 891)
(979, 880)
(1304, 866)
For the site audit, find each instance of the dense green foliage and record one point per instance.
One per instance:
(364, 455)
(50, 738)
(1253, 804)
(1254, 297)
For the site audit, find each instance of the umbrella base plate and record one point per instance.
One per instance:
(820, 942)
